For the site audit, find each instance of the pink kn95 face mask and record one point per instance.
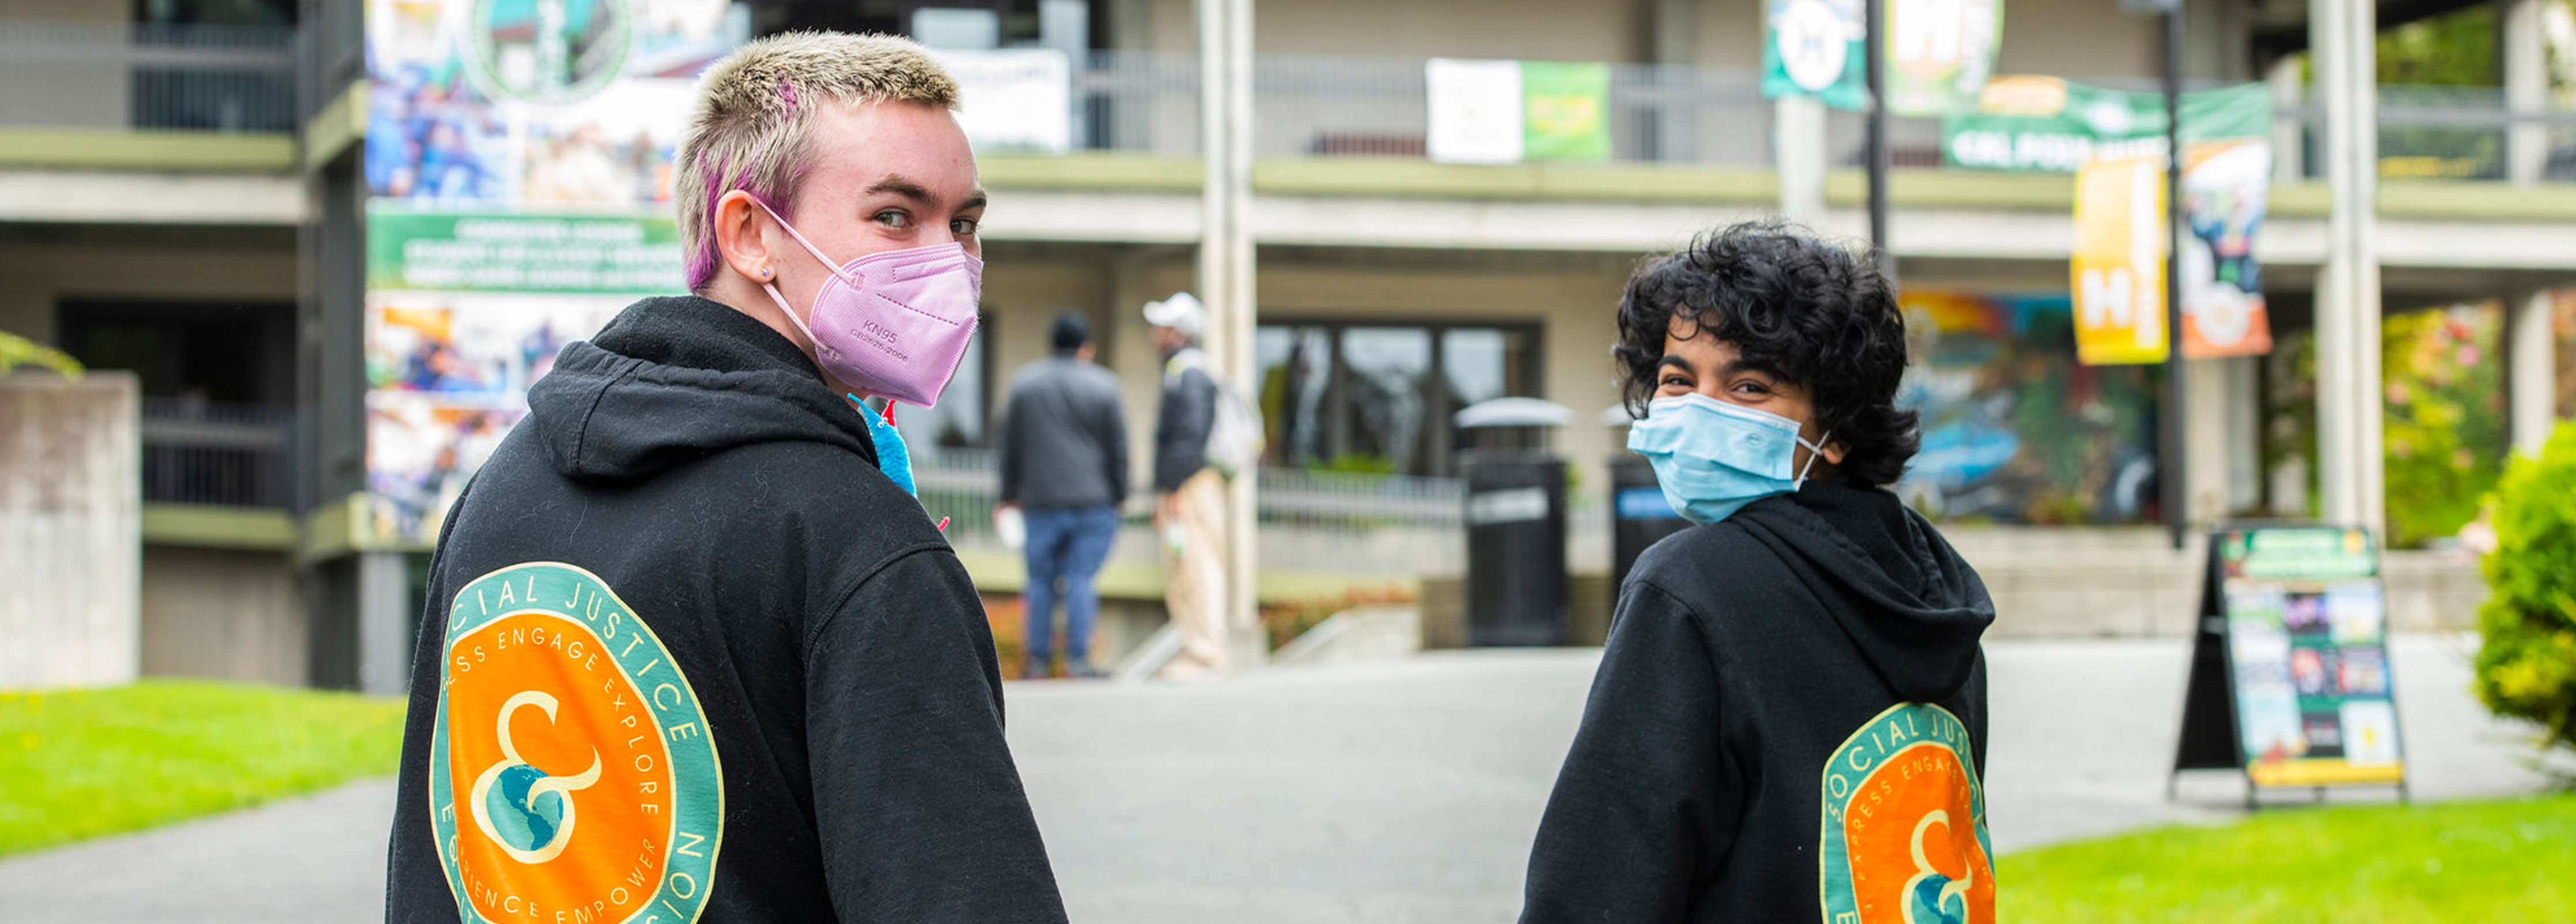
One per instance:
(892, 324)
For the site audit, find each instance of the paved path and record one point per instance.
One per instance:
(1389, 792)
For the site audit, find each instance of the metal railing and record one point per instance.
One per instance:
(147, 76)
(2454, 133)
(1136, 102)
(1313, 522)
(202, 452)
(1336, 106)
(1325, 106)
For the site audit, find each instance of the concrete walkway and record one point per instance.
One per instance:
(1399, 791)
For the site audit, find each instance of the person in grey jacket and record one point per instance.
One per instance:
(1063, 444)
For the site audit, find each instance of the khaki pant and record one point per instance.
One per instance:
(1195, 590)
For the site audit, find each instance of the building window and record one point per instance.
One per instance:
(1372, 397)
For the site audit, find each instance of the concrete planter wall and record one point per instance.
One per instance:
(2070, 582)
(71, 531)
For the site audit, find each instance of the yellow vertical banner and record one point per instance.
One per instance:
(2119, 269)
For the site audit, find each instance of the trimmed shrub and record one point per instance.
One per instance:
(2527, 662)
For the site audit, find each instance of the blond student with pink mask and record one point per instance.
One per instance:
(693, 650)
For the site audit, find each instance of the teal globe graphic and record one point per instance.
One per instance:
(1927, 905)
(519, 821)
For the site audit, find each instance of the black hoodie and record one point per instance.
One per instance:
(688, 656)
(1789, 724)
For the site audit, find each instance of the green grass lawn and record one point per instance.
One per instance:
(77, 764)
(2510, 860)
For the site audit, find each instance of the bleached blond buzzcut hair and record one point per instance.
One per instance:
(747, 130)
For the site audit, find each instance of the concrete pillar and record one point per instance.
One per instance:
(2207, 385)
(2289, 135)
(2531, 371)
(1673, 31)
(1226, 263)
(2222, 423)
(1251, 645)
(2349, 443)
(1798, 153)
(2243, 400)
(1799, 156)
(2525, 49)
(387, 624)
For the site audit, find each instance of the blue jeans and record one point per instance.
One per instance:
(1067, 543)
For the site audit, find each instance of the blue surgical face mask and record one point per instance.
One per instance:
(1712, 457)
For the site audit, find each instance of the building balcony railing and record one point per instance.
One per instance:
(1314, 106)
(82, 75)
(217, 454)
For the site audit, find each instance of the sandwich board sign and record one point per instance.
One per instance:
(2291, 680)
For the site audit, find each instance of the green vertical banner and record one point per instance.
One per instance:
(1939, 54)
(1816, 48)
(1565, 111)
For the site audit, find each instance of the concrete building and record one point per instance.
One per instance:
(181, 194)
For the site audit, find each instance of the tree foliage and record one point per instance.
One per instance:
(2526, 666)
(2452, 50)
(2444, 418)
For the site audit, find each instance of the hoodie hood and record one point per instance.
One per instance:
(1896, 588)
(673, 380)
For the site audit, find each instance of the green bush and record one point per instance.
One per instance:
(16, 351)
(2527, 663)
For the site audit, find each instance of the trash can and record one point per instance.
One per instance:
(1639, 516)
(1516, 581)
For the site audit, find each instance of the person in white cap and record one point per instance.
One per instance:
(1189, 503)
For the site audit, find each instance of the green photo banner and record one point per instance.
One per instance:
(1565, 110)
(2052, 125)
(1816, 48)
(469, 252)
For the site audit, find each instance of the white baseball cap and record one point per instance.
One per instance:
(1180, 312)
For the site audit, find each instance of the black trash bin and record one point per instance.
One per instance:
(1516, 581)
(1639, 516)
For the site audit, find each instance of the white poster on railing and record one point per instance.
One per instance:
(1475, 111)
(1939, 53)
(1015, 100)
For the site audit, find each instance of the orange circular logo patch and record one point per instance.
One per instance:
(571, 770)
(1905, 824)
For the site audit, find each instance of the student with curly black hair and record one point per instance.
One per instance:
(1789, 722)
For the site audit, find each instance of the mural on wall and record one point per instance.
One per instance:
(2015, 430)
(518, 169)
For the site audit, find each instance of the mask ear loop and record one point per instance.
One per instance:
(800, 238)
(772, 288)
(1815, 451)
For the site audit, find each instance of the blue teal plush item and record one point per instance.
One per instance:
(893, 458)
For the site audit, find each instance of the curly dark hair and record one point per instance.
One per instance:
(1807, 312)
